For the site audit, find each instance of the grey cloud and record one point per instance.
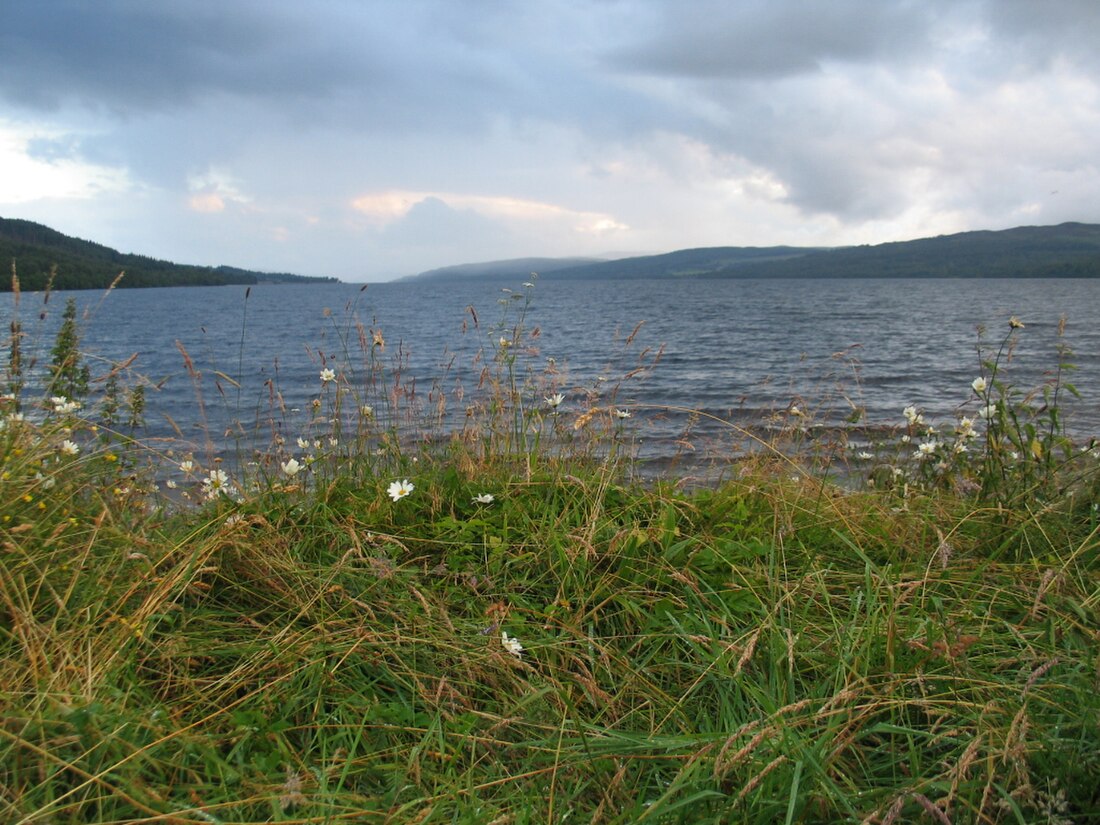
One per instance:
(127, 56)
(759, 80)
(763, 39)
(383, 68)
(1038, 34)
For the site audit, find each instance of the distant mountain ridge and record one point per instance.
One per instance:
(37, 250)
(511, 268)
(1068, 250)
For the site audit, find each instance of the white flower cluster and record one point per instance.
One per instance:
(64, 406)
(511, 644)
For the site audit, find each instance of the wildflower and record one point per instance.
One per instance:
(554, 401)
(187, 466)
(63, 405)
(622, 413)
(978, 385)
(866, 456)
(1015, 323)
(988, 412)
(484, 498)
(367, 410)
(528, 285)
(171, 485)
(925, 449)
(327, 375)
(333, 442)
(966, 426)
(377, 340)
(796, 411)
(215, 483)
(399, 489)
(291, 467)
(69, 448)
(46, 482)
(303, 444)
(905, 439)
(912, 416)
(504, 342)
(511, 644)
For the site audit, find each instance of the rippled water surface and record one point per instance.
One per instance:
(735, 350)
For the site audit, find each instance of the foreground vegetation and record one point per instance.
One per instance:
(501, 627)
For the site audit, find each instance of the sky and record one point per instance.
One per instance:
(373, 139)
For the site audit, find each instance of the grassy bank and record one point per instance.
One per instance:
(501, 627)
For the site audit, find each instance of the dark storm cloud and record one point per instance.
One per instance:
(128, 56)
(379, 67)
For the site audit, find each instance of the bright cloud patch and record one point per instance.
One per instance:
(213, 191)
(28, 178)
(385, 207)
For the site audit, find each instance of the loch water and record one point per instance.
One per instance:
(740, 351)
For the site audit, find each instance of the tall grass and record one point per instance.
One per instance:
(520, 632)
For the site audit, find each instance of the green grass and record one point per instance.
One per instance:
(302, 648)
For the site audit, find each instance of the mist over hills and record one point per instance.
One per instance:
(37, 251)
(1068, 250)
(511, 269)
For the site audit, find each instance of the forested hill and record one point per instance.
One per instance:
(37, 250)
(1069, 250)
